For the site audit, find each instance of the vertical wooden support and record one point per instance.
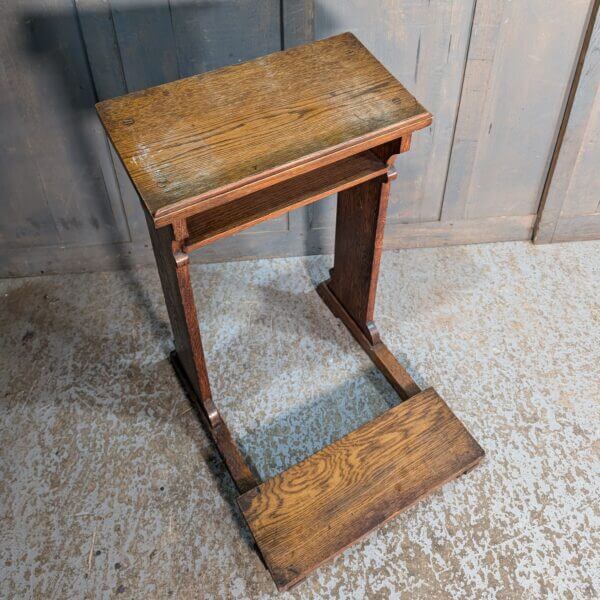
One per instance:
(360, 223)
(358, 238)
(350, 293)
(173, 268)
(188, 358)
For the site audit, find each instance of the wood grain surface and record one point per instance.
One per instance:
(227, 219)
(187, 141)
(311, 512)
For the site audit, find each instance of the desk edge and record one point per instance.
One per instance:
(222, 195)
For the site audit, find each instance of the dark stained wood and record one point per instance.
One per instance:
(311, 512)
(228, 219)
(173, 268)
(358, 243)
(205, 137)
(383, 359)
(241, 474)
(359, 229)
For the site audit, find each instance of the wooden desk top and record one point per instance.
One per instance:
(202, 141)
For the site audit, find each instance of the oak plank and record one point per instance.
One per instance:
(314, 510)
(187, 141)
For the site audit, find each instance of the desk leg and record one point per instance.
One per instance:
(188, 358)
(358, 242)
(350, 293)
(173, 268)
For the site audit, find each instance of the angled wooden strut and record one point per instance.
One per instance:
(185, 147)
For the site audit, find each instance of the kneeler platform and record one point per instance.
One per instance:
(213, 154)
(320, 506)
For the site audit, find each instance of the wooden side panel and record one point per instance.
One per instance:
(518, 73)
(359, 227)
(173, 268)
(311, 512)
(424, 45)
(571, 207)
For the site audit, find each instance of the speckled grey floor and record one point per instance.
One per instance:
(110, 488)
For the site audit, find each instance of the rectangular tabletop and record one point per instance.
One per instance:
(187, 143)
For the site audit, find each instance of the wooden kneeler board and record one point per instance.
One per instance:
(214, 154)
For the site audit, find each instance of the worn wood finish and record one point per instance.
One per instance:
(311, 512)
(186, 142)
(227, 219)
(384, 360)
(360, 222)
(571, 198)
(358, 243)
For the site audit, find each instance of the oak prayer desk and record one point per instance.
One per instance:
(216, 153)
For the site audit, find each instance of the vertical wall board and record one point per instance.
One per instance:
(209, 35)
(104, 56)
(102, 47)
(297, 28)
(571, 208)
(145, 37)
(517, 76)
(470, 126)
(423, 44)
(22, 223)
(51, 83)
(297, 22)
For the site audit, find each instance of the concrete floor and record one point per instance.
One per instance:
(110, 488)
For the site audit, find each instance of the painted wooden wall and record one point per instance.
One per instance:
(571, 204)
(495, 73)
